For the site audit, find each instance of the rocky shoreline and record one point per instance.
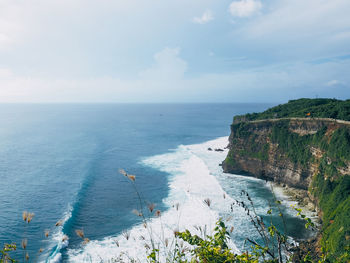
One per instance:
(303, 200)
(311, 245)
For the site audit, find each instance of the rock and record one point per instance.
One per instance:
(219, 150)
(210, 149)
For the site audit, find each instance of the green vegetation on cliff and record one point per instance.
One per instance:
(317, 108)
(329, 186)
(325, 149)
(254, 149)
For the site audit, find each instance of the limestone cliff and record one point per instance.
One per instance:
(256, 150)
(306, 153)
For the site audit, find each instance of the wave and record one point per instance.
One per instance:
(190, 183)
(194, 176)
(61, 235)
(60, 240)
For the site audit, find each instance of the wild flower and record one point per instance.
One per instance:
(158, 213)
(207, 201)
(30, 217)
(86, 240)
(132, 177)
(151, 207)
(126, 234)
(80, 233)
(24, 243)
(136, 212)
(116, 242)
(27, 217)
(122, 171)
(176, 232)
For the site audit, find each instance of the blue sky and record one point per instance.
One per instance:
(173, 50)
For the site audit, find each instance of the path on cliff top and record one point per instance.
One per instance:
(303, 119)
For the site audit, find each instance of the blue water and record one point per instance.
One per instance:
(61, 161)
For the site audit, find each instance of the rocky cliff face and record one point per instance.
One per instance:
(308, 153)
(280, 150)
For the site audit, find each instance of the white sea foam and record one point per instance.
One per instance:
(190, 183)
(59, 240)
(194, 175)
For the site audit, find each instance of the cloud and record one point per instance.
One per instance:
(320, 30)
(245, 8)
(11, 24)
(316, 18)
(165, 81)
(334, 82)
(5, 41)
(5, 73)
(167, 66)
(105, 53)
(162, 81)
(205, 18)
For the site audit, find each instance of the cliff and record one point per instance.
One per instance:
(287, 151)
(310, 153)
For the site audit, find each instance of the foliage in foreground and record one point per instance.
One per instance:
(274, 246)
(215, 249)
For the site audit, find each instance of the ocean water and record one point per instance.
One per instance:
(61, 162)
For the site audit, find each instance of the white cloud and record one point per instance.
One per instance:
(168, 66)
(245, 8)
(289, 31)
(11, 24)
(165, 82)
(85, 57)
(5, 73)
(334, 82)
(205, 18)
(301, 19)
(5, 41)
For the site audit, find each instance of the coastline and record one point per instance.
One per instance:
(299, 197)
(301, 200)
(193, 171)
(190, 183)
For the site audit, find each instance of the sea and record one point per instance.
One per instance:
(62, 161)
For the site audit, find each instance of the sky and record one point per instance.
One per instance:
(173, 50)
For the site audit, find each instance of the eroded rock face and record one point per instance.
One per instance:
(253, 152)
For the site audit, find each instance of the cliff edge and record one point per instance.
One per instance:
(288, 151)
(299, 145)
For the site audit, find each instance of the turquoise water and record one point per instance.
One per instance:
(61, 162)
